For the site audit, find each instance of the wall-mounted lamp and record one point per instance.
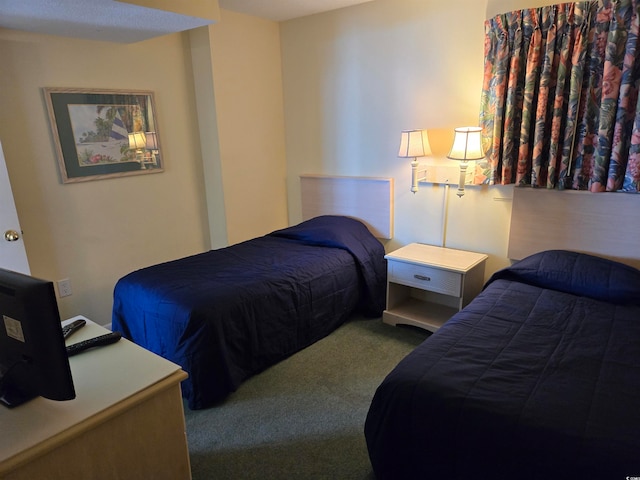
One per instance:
(467, 145)
(138, 142)
(413, 144)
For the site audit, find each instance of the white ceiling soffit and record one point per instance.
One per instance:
(280, 10)
(105, 20)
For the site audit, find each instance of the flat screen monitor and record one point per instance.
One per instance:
(33, 356)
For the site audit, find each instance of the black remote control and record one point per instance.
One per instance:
(105, 339)
(67, 330)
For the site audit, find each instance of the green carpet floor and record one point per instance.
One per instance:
(304, 417)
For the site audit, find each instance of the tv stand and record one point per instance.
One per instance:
(127, 420)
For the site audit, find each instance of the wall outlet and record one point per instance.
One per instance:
(64, 287)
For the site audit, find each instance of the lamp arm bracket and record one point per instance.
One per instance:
(415, 175)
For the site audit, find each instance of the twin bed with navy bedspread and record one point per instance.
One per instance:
(227, 314)
(537, 378)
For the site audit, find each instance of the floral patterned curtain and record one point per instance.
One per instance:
(560, 96)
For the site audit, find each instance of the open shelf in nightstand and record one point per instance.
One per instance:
(419, 313)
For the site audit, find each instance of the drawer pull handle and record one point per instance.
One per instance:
(422, 277)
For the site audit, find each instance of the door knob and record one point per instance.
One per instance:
(11, 236)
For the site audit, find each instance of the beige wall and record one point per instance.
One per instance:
(94, 232)
(249, 108)
(354, 78)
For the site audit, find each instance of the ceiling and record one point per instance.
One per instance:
(280, 10)
(115, 21)
(106, 20)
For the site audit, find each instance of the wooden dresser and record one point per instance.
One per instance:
(127, 420)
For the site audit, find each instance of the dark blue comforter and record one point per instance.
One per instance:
(537, 378)
(227, 314)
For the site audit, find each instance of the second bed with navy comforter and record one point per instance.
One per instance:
(537, 378)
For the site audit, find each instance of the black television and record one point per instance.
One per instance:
(33, 356)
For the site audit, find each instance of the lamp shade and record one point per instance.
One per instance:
(137, 140)
(152, 141)
(467, 144)
(414, 143)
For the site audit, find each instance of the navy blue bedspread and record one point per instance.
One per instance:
(537, 378)
(227, 314)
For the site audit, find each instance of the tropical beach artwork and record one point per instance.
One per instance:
(103, 133)
(100, 133)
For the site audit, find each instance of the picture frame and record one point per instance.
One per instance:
(103, 133)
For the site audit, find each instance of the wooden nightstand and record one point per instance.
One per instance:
(427, 285)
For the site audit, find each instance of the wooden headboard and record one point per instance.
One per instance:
(602, 224)
(367, 199)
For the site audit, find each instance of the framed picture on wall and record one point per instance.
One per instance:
(103, 133)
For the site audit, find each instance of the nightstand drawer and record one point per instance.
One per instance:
(425, 278)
